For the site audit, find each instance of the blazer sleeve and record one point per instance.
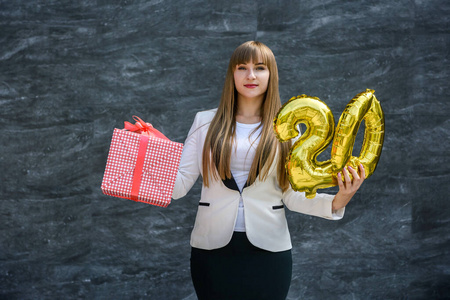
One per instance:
(188, 170)
(319, 206)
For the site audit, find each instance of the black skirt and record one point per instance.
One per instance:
(241, 271)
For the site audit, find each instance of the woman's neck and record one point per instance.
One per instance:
(248, 110)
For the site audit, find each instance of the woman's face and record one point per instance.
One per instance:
(251, 79)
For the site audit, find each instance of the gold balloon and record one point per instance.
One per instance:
(305, 173)
(363, 106)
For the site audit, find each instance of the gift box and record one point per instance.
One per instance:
(142, 164)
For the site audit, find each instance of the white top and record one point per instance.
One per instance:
(246, 142)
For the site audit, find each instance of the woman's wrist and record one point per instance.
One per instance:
(339, 202)
(334, 207)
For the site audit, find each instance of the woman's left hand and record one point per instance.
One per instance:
(348, 188)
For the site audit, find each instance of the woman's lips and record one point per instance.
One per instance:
(250, 86)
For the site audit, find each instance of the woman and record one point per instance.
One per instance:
(240, 241)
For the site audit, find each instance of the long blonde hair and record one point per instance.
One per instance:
(221, 133)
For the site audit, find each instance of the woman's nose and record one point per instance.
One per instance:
(251, 74)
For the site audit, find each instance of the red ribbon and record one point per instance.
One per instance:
(145, 130)
(137, 174)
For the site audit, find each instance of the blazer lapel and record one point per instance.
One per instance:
(232, 185)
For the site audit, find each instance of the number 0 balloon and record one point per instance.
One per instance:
(305, 173)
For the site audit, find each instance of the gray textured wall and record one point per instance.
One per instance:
(71, 71)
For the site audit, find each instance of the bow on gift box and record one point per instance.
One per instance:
(143, 128)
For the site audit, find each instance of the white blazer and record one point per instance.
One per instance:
(264, 201)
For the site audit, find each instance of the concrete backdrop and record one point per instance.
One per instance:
(71, 71)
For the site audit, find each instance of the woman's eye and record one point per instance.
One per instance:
(260, 68)
(241, 68)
